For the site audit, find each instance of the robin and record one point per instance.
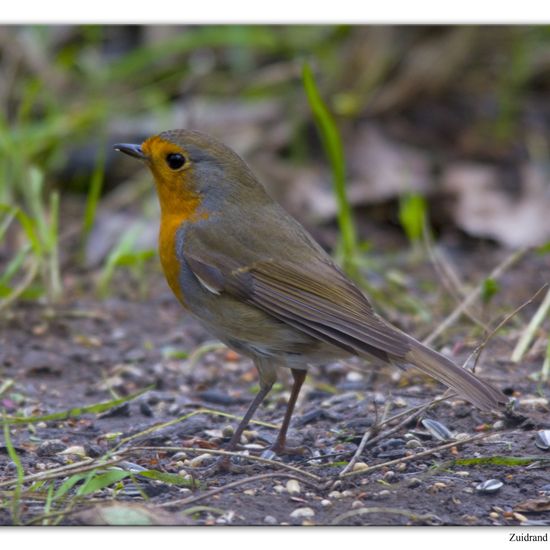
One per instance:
(260, 283)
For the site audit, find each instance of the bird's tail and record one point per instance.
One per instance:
(470, 387)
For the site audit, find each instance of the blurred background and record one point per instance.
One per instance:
(367, 134)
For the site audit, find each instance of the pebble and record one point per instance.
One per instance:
(270, 520)
(293, 487)
(384, 493)
(413, 482)
(335, 494)
(326, 503)
(278, 489)
(358, 466)
(74, 450)
(302, 513)
(437, 486)
(93, 451)
(399, 402)
(413, 444)
(356, 504)
(251, 435)
(50, 447)
(389, 475)
(228, 431)
(198, 460)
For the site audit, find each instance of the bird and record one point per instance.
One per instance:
(259, 282)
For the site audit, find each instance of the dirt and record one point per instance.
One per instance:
(86, 351)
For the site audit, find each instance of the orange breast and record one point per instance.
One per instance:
(167, 251)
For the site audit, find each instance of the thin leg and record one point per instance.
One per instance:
(299, 376)
(260, 396)
(268, 376)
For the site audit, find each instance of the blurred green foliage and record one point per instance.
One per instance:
(63, 88)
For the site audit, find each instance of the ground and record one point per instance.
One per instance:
(85, 351)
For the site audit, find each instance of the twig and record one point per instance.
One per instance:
(474, 295)
(414, 412)
(477, 351)
(181, 419)
(79, 467)
(417, 455)
(226, 453)
(251, 479)
(349, 466)
(448, 276)
(529, 332)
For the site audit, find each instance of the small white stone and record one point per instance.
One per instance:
(354, 376)
(293, 487)
(74, 450)
(326, 503)
(278, 489)
(270, 520)
(198, 460)
(358, 466)
(357, 504)
(302, 513)
(335, 494)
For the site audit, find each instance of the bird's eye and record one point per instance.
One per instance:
(175, 161)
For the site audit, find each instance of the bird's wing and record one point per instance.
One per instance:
(323, 303)
(318, 300)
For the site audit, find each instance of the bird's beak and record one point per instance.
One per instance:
(131, 149)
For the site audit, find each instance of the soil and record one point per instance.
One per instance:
(86, 351)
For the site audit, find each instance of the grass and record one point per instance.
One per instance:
(16, 496)
(332, 143)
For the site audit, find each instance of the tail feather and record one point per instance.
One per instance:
(476, 391)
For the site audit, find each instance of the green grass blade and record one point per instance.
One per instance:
(334, 149)
(74, 412)
(499, 460)
(412, 216)
(100, 481)
(12, 453)
(172, 479)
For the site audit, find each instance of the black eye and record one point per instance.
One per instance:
(175, 161)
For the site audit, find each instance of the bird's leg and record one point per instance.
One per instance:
(236, 437)
(268, 377)
(299, 376)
